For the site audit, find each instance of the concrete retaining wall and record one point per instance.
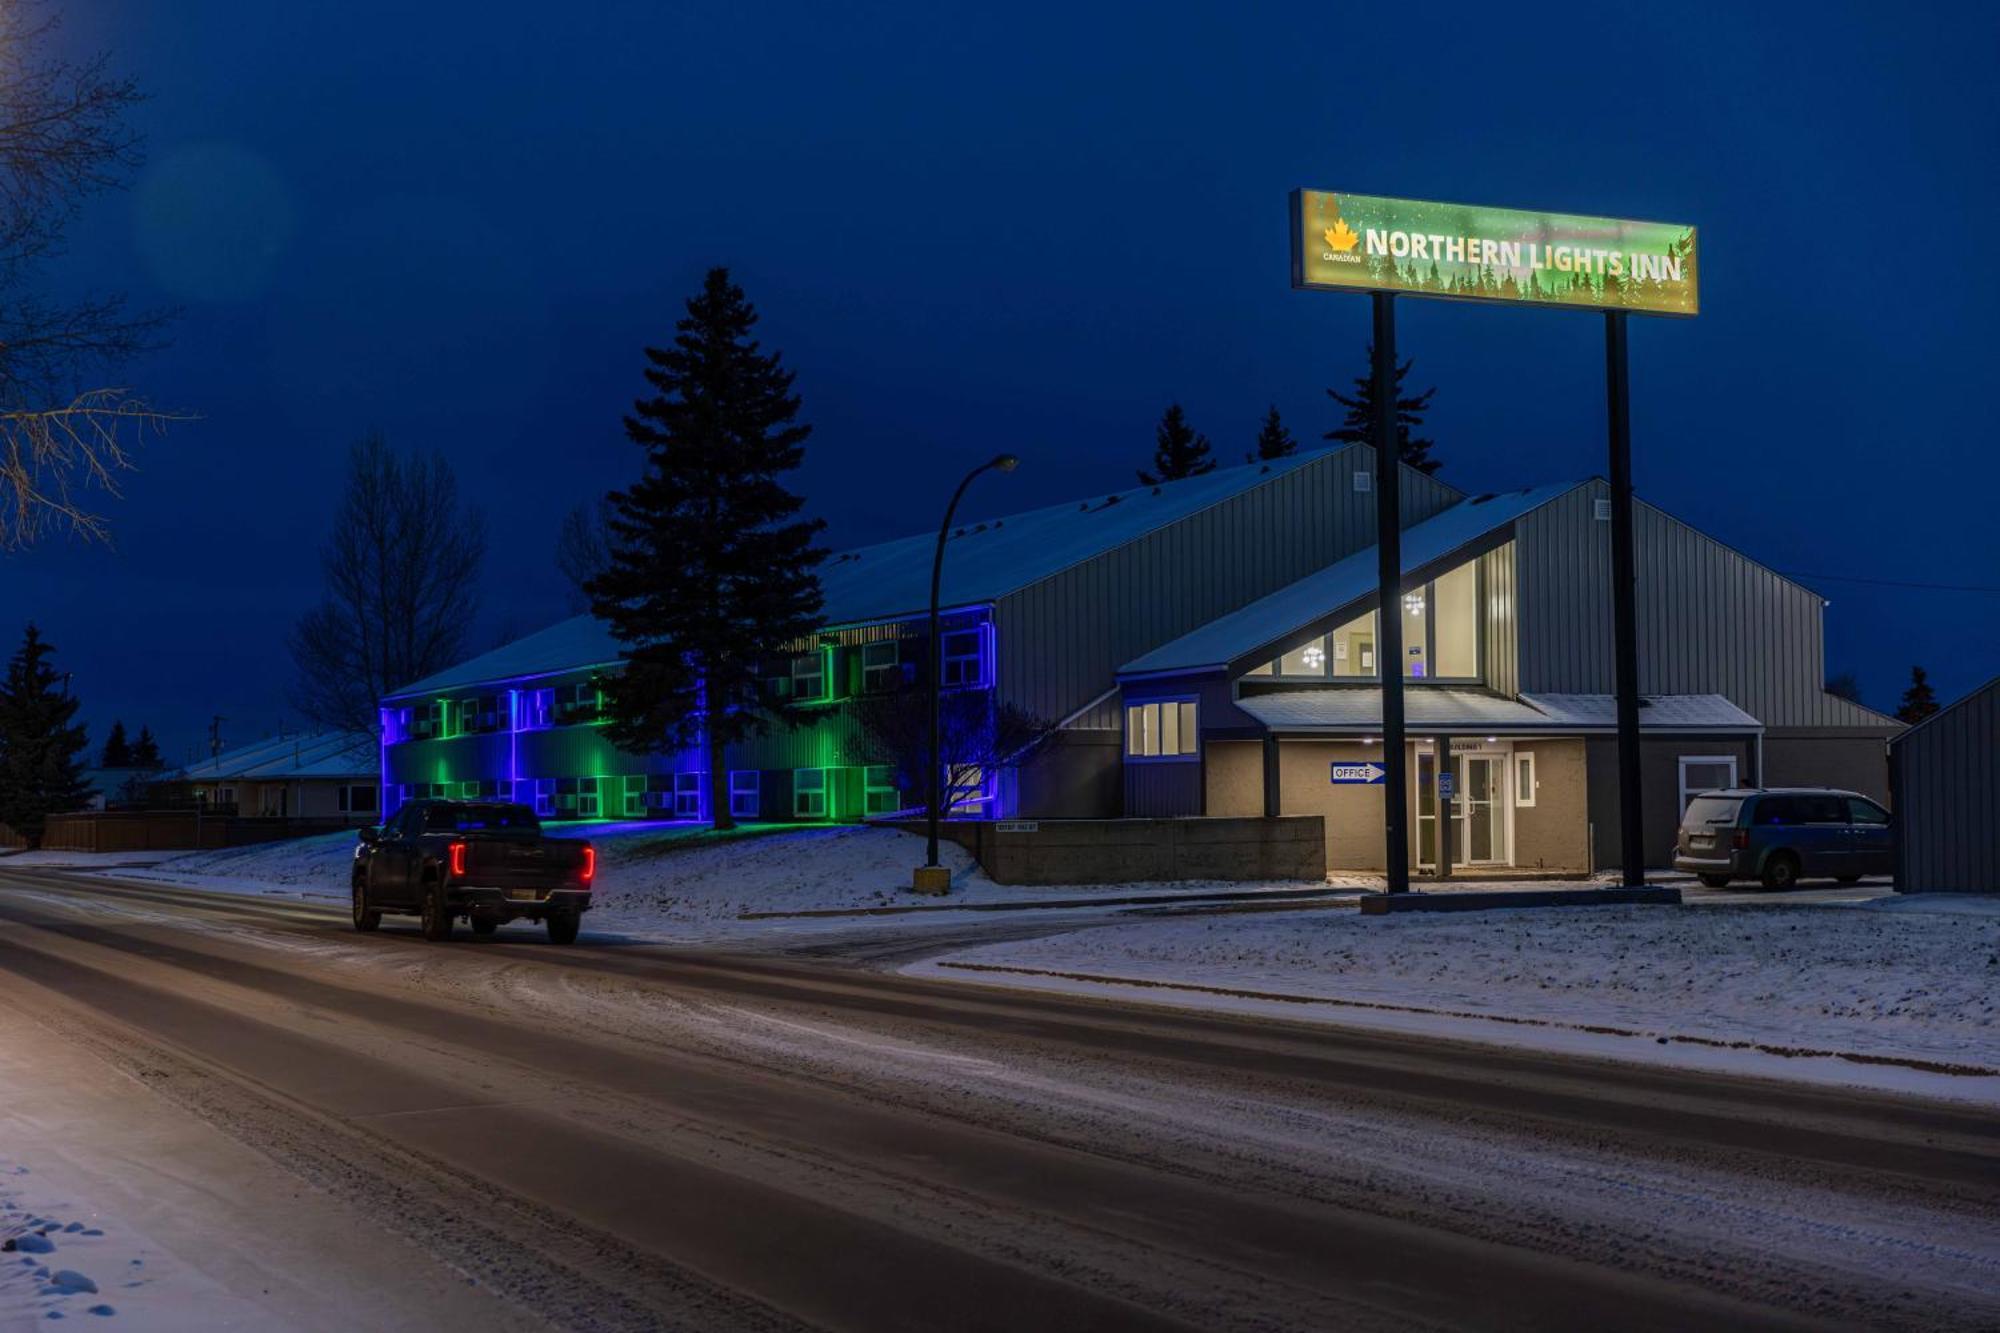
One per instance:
(1118, 851)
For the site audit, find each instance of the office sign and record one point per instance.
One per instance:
(1466, 252)
(1364, 775)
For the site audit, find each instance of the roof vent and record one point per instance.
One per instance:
(1363, 482)
(1600, 509)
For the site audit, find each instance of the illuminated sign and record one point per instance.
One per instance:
(1465, 252)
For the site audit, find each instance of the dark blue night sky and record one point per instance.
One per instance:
(1024, 229)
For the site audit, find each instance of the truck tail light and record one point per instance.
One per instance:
(1741, 840)
(457, 851)
(589, 863)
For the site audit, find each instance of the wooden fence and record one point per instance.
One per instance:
(174, 830)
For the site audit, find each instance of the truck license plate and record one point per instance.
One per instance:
(522, 895)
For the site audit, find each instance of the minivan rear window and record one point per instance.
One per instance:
(1703, 811)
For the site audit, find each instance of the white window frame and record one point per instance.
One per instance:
(1687, 793)
(804, 798)
(1146, 731)
(1524, 779)
(816, 660)
(953, 671)
(587, 803)
(871, 789)
(881, 665)
(545, 796)
(746, 790)
(687, 794)
(636, 786)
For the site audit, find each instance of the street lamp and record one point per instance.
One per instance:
(932, 877)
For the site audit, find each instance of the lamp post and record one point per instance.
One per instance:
(932, 877)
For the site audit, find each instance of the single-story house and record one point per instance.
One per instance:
(321, 774)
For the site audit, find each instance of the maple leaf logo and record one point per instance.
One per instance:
(1341, 237)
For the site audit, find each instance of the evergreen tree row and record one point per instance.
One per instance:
(1179, 450)
(121, 752)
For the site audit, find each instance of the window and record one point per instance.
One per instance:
(744, 790)
(881, 666)
(1865, 812)
(809, 793)
(687, 795)
(575, 798)
(1706, 772)
(1416, 642)
(1524, 777)
(536, 710)
(961, 665)
(809, 678)
(1351, 648)
(577, 705)
(395, 725)
(1455, 624)
(637, 788)
(428, 720)
(1163, 730)
(545, 796)
(880, 795)
(357, 800)
(1308, 659)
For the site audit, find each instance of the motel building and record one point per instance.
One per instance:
(1207, 648)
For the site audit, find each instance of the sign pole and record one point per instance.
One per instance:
(1389, 578)
(1624, 602)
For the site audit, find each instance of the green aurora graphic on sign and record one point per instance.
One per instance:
(1464, 252)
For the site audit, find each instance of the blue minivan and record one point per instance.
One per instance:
(1781, 835)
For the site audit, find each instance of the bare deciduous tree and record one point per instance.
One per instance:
(582, 551)
(63, 137)
(400, 573)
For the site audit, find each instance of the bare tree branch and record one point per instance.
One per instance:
(63, 137)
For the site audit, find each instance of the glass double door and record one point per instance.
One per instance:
(1474, 803)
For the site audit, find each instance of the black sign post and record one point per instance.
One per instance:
(1389, 590)
(1624, 603)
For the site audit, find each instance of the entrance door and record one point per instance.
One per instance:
(1481, 817)
(1427, 825)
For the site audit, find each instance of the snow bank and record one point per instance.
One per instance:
(685, 882)
(1908, 985)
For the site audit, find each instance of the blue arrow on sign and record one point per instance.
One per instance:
(1366, 775)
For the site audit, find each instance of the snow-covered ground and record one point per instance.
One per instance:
(681, 883)
(1900, 990)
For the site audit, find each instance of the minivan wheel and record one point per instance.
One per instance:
(1781, 871)
(562, 927)
(1715, 881)
(435, 916)
(365, 917)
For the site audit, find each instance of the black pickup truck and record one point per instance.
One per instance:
(486, 861)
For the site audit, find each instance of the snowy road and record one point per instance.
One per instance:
(617, 1136)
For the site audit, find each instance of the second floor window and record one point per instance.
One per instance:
(963, 662)
(576, 704)
(881, 666)
(1163, 730)
(809, 678)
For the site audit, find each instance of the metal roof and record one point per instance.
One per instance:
(984, 561)
(322, 754)
(1444, 710)
(1344, 583)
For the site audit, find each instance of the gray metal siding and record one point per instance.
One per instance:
(1503, 667)
(1711, 621)
(1061, 641)
(1947, 779)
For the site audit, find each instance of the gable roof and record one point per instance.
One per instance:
(320, 754)
(1345, 582)
(984, 561)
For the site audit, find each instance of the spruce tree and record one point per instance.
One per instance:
(1274, 438)
(1179, 450)
(117, 751)
(1920, 700)
(146, 750)
(710, 566)
(41, 745)
(1358, 427)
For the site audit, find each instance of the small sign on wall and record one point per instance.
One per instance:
(1364, 775)
(1017, 826)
